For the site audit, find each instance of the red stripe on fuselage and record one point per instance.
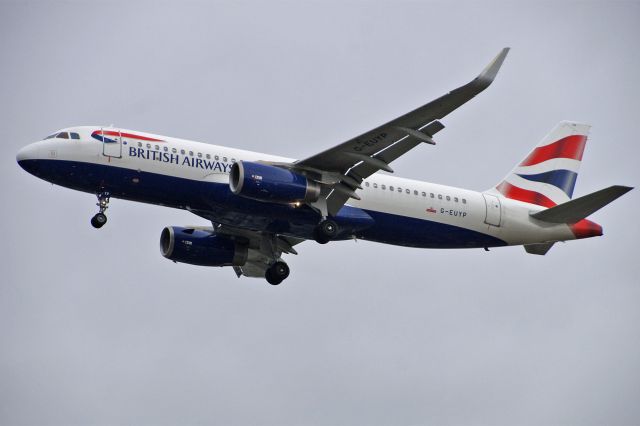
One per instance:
(570, 147)
(525, 195)
(126, 135)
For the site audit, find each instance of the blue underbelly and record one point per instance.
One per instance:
(216, 202)
(412, 232)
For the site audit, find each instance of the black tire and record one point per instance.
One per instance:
(98, 220)
(277, 273)
(319, 238)
(270, 278)
(326, 231)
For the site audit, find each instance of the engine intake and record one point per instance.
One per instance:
(273, 184)
(200, 247)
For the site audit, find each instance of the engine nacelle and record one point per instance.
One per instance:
(269, 183)
(200, 247)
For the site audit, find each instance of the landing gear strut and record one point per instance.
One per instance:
(326, 231)
(100, 218)
(277, 273)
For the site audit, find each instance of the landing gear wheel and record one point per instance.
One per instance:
(326, 231)
(277, 273)
(98, 220)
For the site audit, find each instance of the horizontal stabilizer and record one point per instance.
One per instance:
(539, 249)
(577, 209)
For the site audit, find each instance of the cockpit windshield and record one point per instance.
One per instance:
(64, 135)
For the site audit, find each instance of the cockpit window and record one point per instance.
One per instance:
(64, 135)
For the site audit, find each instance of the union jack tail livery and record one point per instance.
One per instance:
(547, 176)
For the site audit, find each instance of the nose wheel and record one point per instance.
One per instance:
(277, 273)
(100, 218)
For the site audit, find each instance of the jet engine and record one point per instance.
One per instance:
(201, 247)
(263, 182)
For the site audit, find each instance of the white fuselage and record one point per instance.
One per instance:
(487, 213)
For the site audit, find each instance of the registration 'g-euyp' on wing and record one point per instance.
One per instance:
(341, 169)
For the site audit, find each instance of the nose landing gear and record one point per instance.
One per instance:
(100, 218)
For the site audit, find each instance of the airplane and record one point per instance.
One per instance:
(261, 206)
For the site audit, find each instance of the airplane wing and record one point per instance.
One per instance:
(264, 247)
(343, 167)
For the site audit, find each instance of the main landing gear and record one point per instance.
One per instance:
(100, 218)
(326, 231)
(277, 273)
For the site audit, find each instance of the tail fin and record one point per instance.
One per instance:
(547, 176)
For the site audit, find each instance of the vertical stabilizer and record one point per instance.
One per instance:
(547, 176)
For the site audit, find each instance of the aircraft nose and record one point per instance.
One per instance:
(28, 152)
(26, 157)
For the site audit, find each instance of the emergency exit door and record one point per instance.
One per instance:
(494, 210)
(111, 143)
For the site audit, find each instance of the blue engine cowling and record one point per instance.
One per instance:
(200, 247)
(269, 183)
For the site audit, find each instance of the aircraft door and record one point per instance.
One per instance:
(111, 143)
(494, 214)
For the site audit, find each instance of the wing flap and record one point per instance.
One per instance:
(365, 169)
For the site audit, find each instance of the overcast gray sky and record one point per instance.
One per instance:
(97, 328)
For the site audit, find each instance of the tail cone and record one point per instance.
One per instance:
(586, 229)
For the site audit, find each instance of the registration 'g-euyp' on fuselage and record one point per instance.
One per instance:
(260, 206)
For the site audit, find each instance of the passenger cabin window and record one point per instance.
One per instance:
(383, 187)
(182, 151)
(366, 184)
(408, 191)
(448, 198)
(399, 189)
(217, 158)
(208, 156)
(199, 155)
(191, 153)
(455, 199)
(415, 192)
(424, 194)
(439, 196)
(166, 149)
(375, 185)
(174, 150)
(139, 144)
(431, 194)
(391, 188)
(464, 201)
